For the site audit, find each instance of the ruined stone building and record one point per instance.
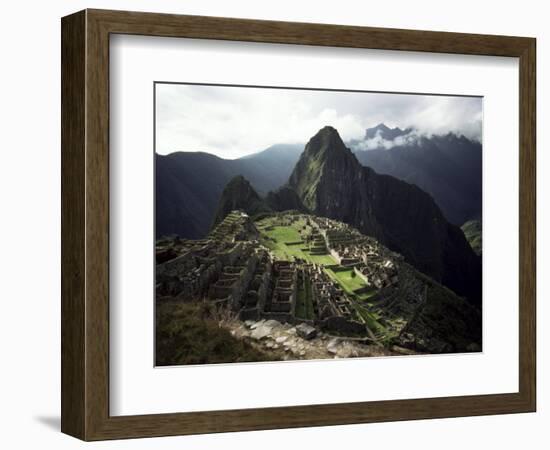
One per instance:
(231, 269)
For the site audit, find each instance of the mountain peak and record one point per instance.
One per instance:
(239, 195)
(325, 155)
(327, 132)
(328, 129)
(326, 141)
(385, 132)
(382, 126)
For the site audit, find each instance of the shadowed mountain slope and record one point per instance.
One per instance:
(448, 167)
(189, 185)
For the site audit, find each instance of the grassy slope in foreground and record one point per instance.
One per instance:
(188, 333)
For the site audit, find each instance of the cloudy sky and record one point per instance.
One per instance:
(231, 122)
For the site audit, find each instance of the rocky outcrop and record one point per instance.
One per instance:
(306, 331)
(284, 341)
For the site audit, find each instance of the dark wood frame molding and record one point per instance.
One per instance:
(85, 224)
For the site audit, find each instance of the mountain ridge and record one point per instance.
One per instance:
(448, 167)
(385, 132)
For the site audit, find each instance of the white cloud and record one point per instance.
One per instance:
(379, 142)
(233, 121)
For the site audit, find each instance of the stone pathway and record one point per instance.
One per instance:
(285, 341)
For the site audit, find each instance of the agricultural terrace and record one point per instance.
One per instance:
(350, 283)
(285, 239)
(286, 243)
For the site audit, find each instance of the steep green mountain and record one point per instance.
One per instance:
(472, 231)
(331, 182)
(448, 167)
(239, 194)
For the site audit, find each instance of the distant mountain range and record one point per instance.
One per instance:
(384, 132)
(239, 195)
(329, 181)
(448, 167)
(189, 184)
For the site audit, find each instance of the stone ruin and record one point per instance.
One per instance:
(231, 269)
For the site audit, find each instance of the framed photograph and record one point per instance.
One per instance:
(273, 225)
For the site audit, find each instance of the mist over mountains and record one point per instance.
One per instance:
(448, 167)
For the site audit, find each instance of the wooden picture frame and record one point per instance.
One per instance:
(85, 224)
